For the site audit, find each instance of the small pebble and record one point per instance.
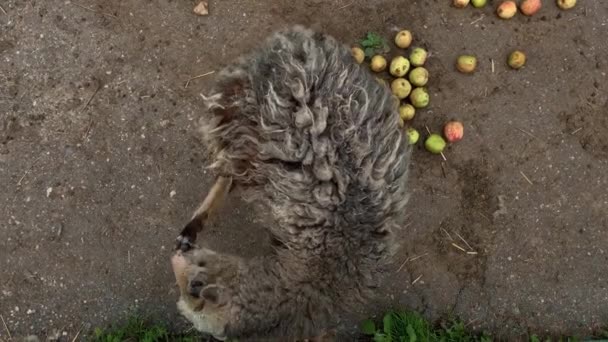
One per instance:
(202, 8)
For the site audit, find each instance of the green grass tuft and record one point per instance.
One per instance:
(396, 326)
(137, 329)
(402, 326)
(405, 326)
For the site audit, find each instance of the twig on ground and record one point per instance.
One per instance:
(77, 334)
(484, 216)
(59, 230)
(94, 11)
(446, 233)
(3, 11)
(86, 105)
(86, 133)
(471, 322)
(492, 61)
(462, 249)
(526, 178)
(463, 240)
(526, 132)
(28, 171)
(196, 77)
(416, 280)
(410, 259)
(419, 256)
(478, 19)
(90, 99)
(403, 264)
(347, 5)
(576, 131)
(8, 332)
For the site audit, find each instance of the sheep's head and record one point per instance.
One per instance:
(205, 297)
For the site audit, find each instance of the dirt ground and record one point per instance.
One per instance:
(100, 165)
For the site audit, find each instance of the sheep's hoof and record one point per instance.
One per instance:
(184, 244)
(186, 239)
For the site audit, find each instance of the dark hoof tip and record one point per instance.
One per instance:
(183, 244)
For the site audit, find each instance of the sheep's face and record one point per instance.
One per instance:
(204, 301)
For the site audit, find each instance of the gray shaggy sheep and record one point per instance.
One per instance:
(313, 136)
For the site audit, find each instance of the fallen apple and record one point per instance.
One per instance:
(399, 66)
(460, 3)
(435, 144)
(516, 59)
(530, 7)
(358, 54)
(566, 4)
(506, 10)
(401, 88)
(419, 98)
(419, 77)
(418, 57)
(378, 63)
(453, 131)
(403, 39)
(407, 112)
(412, 135)
(466, 64)
(478, 3)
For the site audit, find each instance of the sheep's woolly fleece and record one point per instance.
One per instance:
(315, 137)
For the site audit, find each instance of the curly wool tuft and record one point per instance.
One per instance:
(316, 138)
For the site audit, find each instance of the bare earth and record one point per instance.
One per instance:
(100, 165)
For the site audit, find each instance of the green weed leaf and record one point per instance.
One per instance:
(411, 333)
(373, 44)
(387, 321)
(380, 337)
(368, 327)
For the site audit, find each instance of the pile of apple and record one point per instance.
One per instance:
(507, 9)
(410, 77)
(408, 86)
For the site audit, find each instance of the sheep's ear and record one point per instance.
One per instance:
(215, 294)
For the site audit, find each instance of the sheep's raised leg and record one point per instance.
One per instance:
(211, 203)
